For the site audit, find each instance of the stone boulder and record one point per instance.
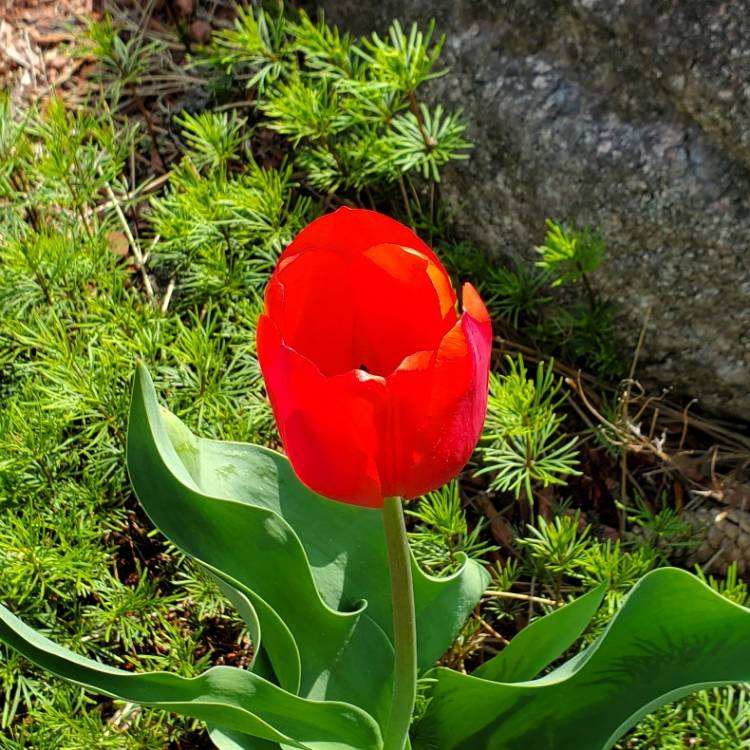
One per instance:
(632, 116)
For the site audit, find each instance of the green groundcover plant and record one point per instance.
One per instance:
(342, 619)
(100, 263)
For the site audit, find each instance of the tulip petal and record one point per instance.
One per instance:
(478, 329)
(472, 304)
(353, 230)
(309, 298)
(438, 403)
(399, 307)
(330, 426)
(366, 310)
(378, 388)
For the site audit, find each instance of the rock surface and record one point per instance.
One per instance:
(629, 115)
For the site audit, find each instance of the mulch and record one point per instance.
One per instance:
(34, 38)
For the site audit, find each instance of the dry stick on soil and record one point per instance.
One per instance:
(168, 294)
(627, 437)
(582, 415)
(531, 598)
(497, 594)
(141, 190)
(625, 417)
(630, 437)
(685, 423)
(713, 429)
(734, 446)
(139, 258)
(492, 632)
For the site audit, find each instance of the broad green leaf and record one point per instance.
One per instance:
(442, 606)
(226, 740)
(308, 575)
(343, 543)
(344, 656)
(319, 564)
(276, 643)
(672, 636)
(233, 698)
(539, 644)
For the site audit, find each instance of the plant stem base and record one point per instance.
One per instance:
(404, 627)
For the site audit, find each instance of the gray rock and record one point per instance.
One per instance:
(629, 115)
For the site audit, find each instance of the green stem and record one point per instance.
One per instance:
(404, 626)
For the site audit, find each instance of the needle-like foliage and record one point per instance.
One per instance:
(525, 447)
(103, 262)
(349, 107)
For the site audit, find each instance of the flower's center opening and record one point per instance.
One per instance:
(365, 311)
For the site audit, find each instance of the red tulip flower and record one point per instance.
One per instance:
(378, 386)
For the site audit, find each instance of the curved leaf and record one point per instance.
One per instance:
(672, 636)
(319, 564)
(276, 642)
(543, 641)
(308, 575)
(344, 543)
(226, 740)
(254, 549)
(233, 698)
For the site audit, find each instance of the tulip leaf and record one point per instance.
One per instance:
(317, 565)
(343, 543)
(672, 636)
(309, 576)
(233, 698)
(226, 740)
(256, 551)
(540, 643)
(275, 644)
